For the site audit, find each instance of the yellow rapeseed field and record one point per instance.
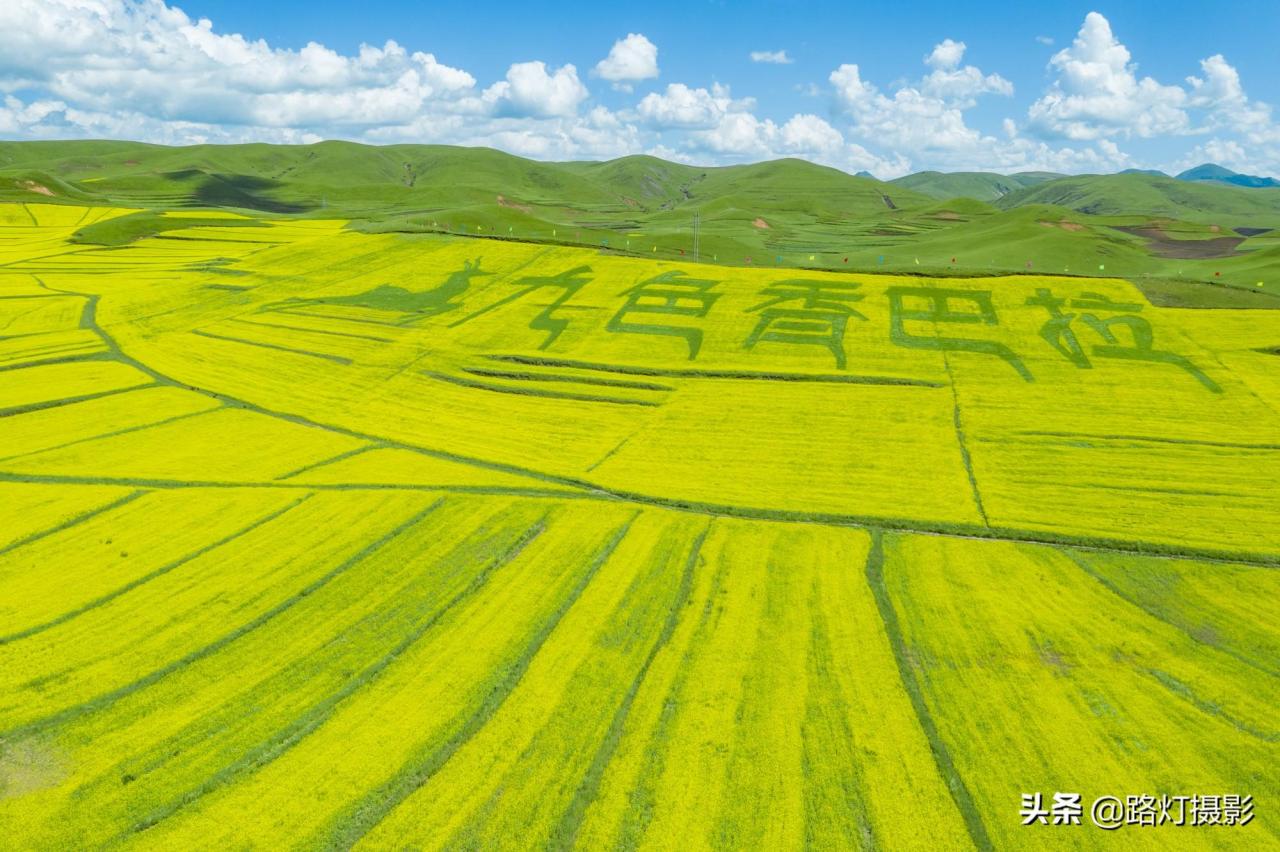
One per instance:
(314, 538)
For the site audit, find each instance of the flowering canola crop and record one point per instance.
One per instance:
(318, 538)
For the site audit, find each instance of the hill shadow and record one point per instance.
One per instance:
(234, 190)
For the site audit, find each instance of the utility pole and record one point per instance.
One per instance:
(697, 235)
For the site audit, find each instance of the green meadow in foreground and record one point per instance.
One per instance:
(325, 527)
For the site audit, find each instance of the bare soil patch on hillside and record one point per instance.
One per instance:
(38, 188)
(1163, 245)
(503, 201)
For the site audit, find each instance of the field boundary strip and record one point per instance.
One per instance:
(1152, 612)
(127, 430)
(337, 359)
(560, 377)
(1149, 439)
(150, 575)
(942, 757)
(586, 491)
(326, 461)
(546, 394)
(44, 405)
(588, 488)
(741, 375)
(73, 521)
(318, 713)
(566, 832)
(376, 805)
(958, 419)
(107, 699)
(304, 329)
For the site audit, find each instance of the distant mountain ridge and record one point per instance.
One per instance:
(1137, 194)
(992, 186)
(1209, 224)
(983, 186)
(771, 209)
(1213, 173)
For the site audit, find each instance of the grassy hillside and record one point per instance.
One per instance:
(983, 186)
(347, 178)
(785, 213)
(1151, 195)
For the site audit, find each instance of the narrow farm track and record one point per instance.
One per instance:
(352, 555)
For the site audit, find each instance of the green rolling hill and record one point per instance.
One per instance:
(792, 213)
(983, 186)
(352, 179)
(1154, 196)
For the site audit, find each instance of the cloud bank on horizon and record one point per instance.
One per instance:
(142, 69)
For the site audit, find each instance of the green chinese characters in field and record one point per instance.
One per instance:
(816, 313)
(568, 282)
(670, 294)
(796, 313)
(941, 308)
(1060, 334)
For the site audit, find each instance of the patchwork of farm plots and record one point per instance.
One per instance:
(312, 537)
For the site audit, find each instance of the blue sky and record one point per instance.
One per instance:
(889, 88)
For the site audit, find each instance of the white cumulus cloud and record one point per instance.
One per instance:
(808, 133)
(630, 60)
(117, 56)
(771, 57)
(925, 121)
(530, 90)
(143, 69)
(1250, 159)
(949, 80)
(1221, 94)
(1097, 93)
(946, 54)
(923, 116)
(681, 106)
